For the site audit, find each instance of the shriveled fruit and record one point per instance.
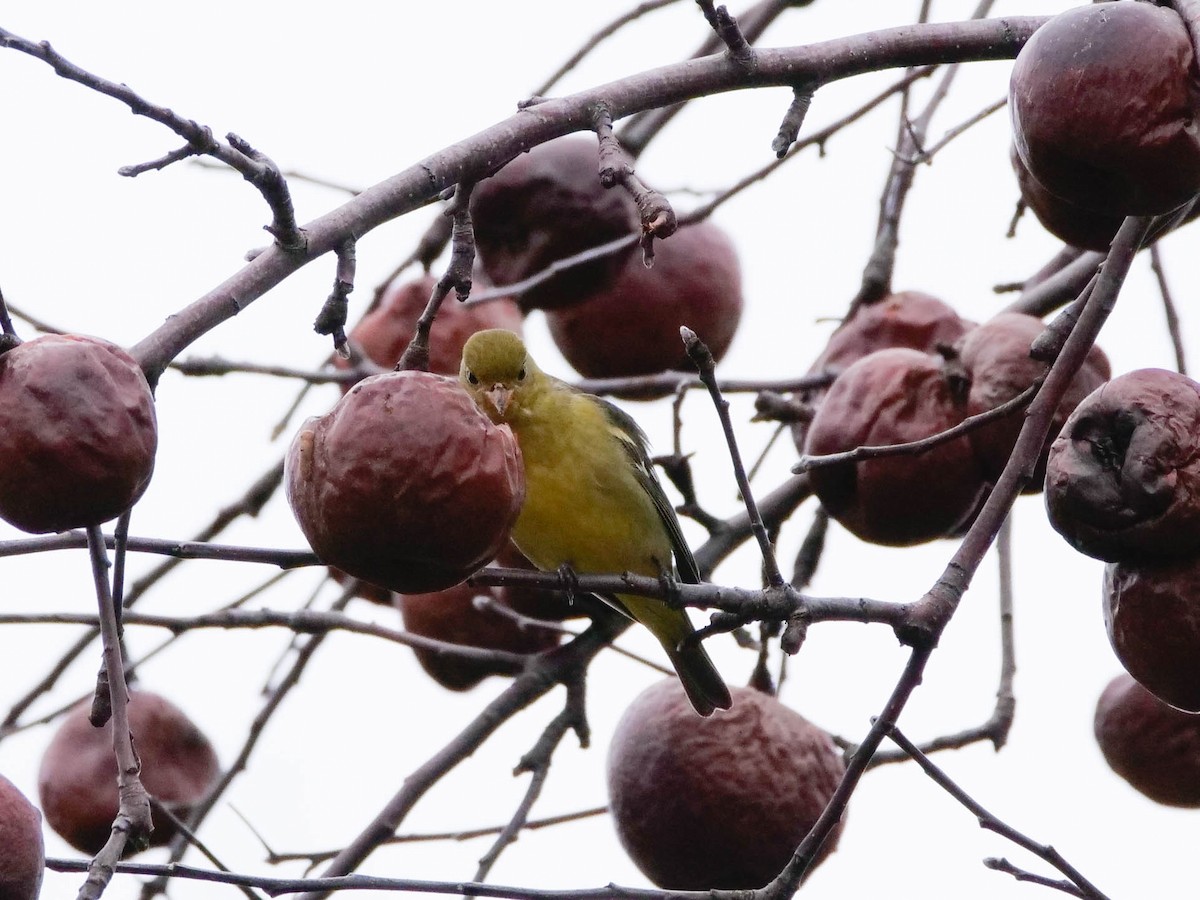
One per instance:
(996, 357)
(22, 853)
(1123, 477)
(1071, 224)
(1075, 124)
(405, 483)
(384, 332)
(77, 433)
(544, 206)
(452, 616)
(890, 397)
(77, 783)
(631, 327)
(718, 802)
(910, 319)
(1153, 746)
(1152, 613)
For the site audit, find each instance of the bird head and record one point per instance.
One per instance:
(496, 370)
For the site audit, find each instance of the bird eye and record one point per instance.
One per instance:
(521, 375)
(471, 378)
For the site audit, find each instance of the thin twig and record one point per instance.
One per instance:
(1020, 401)
(1169, 309)
(132, 825)
(319, 856)
(991, 823)
(595, 40)
(706, 365)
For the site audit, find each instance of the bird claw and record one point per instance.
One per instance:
(568, 578)
(672, 596)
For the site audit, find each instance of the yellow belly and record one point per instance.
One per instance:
(583, 505)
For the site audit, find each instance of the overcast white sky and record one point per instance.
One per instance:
(357, 91)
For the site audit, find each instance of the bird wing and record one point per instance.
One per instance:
(637, 446)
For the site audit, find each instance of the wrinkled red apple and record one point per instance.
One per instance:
(383, 333)
(719, 802)
(1103, 100)
(895, 396)
(1153, 746)
(1071, 224)
(631, 327)
(996, 357)
(544, 206)
(405, 483)
(22, 853)
(77, 783)
(77, 433)
(1123, 477)
(1152, 613)
(903, 319)
(452, 616)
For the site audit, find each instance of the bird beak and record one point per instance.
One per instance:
(499, 396)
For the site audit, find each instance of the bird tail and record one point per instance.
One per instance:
(701, 681)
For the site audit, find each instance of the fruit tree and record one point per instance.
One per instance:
(937, 457)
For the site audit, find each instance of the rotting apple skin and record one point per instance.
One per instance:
(1153, 746)
(718, 802)
(452, 616)
(22, 851)
(1123, 476)
(384, 332)
(910, 319)
(631, 327)
(77, 782)
(543, 206)
(1071, 224)
(78, 433)
(405, 483)
(895, 396)
(1075, 125)
(1152, 615)
(998, 362)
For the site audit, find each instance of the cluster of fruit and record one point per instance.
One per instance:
(375, 474)
(1123, 486)
(908, 368)
(671, 772)
(1123, 478)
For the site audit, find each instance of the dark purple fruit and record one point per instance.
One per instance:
(384, 332)
(77, 783)
(452, 616)
(405, 483)
(1152, 613)
(631, 327)
(996, 357)
(892, 397)
(1123, 476)
(1071, 224)
(544, 206)
(1153, 746)
(719, 802)
(22, 853)
(77, 433)
(1103, 100)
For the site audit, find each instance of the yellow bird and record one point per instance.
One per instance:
(592, 501)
